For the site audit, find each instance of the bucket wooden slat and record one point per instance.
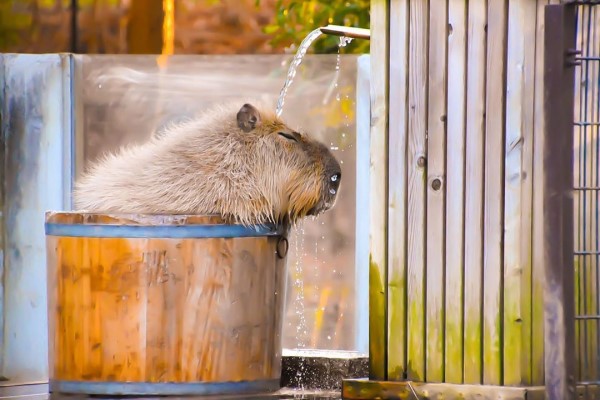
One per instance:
(163, 310)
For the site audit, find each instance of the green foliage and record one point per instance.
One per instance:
(296, 19)
(11, 23)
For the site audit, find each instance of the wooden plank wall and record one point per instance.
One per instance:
(463, 150)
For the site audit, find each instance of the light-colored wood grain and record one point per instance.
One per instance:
(475, 121)
(417, 180)
(494, 193)
(436, 192)
(520, 68)
(537, 266)
(163, 310)
(397, 223)
(378, 193)
(455, 189)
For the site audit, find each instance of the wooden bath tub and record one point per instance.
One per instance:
(161, 305)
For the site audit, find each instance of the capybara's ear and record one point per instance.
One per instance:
(248, 117)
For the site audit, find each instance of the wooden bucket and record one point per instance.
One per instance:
(163, 305)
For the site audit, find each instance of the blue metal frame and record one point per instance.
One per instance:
(158, 231)
(167, 388)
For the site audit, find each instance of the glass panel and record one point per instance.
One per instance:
(125, 99)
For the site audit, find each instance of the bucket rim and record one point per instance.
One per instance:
(165, 388)
(166, 232)
(114, 225)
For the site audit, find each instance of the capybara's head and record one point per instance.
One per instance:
(302, 170)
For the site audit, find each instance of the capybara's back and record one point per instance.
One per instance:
(241, 163)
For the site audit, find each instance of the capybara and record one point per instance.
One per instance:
(241, 163)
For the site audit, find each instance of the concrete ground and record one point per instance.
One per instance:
(40, 392)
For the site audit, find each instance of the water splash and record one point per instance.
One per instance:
(345, 41)
(304, 45)
(301, 327)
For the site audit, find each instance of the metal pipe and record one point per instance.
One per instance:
(347, 31)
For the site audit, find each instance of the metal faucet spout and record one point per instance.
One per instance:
(347, 31)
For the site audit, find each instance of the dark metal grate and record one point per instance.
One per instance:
(587, 198)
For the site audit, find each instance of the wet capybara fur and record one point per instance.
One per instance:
(234, 160)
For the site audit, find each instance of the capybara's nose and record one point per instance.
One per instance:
(334, 183)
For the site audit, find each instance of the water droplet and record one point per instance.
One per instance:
(328, 337)
(332, 191)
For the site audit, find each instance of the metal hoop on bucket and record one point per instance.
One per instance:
(166, 389)
(158, 231)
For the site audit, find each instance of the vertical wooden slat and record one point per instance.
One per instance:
(537, 267)
(378, 182)
(456, 103)
(518, 191)
(416, 165)
(528, 82)
(493, 193)
(475, 122)
(399, 30)
(557, 203)
(436, 171)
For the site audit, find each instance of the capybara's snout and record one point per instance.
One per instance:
(331, 180)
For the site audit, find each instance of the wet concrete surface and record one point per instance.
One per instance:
(303, 371)
(40, 392)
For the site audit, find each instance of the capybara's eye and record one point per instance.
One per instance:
(335, 177)
(288, 136)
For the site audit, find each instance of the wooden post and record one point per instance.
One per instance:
(455, 190)
(397, 214)
(518, 158)
(557, 203)
(378, 193)
(416, 160)
(436, 192)
(494, 192)
(475, 131)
